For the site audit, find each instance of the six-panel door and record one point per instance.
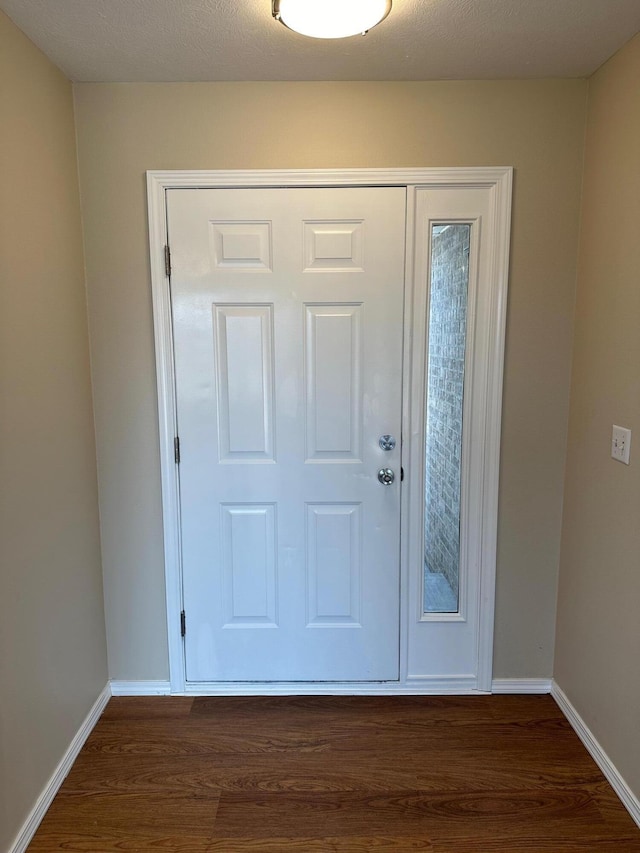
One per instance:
(287, 313)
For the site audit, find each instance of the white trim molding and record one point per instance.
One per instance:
(140, 688)
(458, 685)
(610, 771)
(521, 685)
(45, 799)
(472, 176)
(496, 184)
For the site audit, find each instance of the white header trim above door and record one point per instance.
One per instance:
(463, 176)
(496, 179)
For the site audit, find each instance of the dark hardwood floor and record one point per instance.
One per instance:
(456, 774)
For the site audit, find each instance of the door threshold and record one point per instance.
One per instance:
(465, 684)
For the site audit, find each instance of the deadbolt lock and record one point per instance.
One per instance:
(387, 442)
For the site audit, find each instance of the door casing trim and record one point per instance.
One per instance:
(499, 180)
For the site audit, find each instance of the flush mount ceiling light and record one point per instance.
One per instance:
(330, 19)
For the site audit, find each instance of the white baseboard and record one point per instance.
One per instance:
(628, 798)
(140, 688)
(521, 685)
(45, 799)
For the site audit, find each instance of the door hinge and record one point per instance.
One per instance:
(401, 474)
(176, 450)
(183, 624)
(167, 261)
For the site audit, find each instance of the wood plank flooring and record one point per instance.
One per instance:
(455, 774)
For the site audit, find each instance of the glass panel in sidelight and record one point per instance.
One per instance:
(444, 406)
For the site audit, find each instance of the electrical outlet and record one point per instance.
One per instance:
(620, 444)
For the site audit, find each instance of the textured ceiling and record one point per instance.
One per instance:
(202, 40)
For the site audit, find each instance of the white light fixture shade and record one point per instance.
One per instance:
(330, 19)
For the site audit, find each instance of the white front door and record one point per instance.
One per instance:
(287, 322)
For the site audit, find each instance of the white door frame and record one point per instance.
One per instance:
(498, 180)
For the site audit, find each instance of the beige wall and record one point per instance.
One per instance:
(52, 640)
(124, 129)
(598, 642)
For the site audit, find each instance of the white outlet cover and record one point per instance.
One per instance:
(620, 444)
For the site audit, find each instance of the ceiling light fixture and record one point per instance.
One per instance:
(330, 19)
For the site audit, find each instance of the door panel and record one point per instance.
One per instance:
(244, 381)
(334, 534)
(248, 538)
(333, 374)
(287, 313)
